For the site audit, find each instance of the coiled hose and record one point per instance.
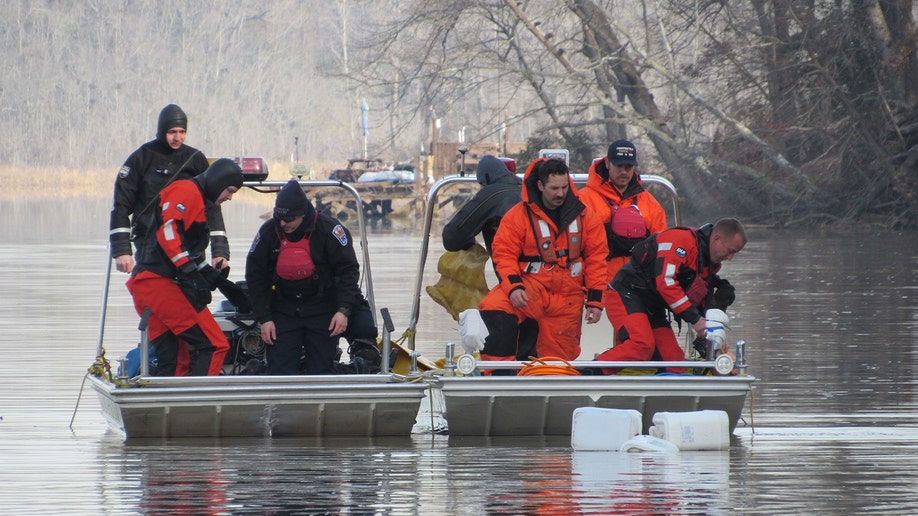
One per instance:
(539, 367)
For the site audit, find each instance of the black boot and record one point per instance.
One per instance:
(202, 350)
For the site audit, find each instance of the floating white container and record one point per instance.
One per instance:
(603, 429)
(701, 430)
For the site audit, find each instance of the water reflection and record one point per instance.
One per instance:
(831, 328)
(269, 477)
(630, 483)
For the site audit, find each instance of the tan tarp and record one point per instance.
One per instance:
(462, 280)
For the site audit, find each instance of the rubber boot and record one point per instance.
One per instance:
(502, 340)
(529, 335)
(203, 351)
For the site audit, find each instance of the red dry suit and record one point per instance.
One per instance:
(560, 261)
(669, 272)
(182, 235)
(605, 200)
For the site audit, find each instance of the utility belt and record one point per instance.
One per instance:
(534, 264)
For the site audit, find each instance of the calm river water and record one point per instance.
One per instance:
(830, 321)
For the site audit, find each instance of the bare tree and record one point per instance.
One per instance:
(766, 109)
(782, 111)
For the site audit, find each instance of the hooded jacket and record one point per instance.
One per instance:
(143, 176)
(516, 245)
(604, 199)
(500, 191)
(180, 217)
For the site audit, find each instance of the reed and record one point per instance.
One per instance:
(59, 182)
(55, 182)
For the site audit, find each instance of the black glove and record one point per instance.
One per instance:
(701, 347)
(236, 295)
(213, 277)
(723, 296)
(195, 288)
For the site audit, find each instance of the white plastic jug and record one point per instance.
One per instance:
(701, 430)
(648, 444)
(603, 429)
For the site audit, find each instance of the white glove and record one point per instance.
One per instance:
(718, 316)
(472, 330)
(715, 330)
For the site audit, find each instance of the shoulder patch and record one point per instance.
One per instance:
(680, 252)
(340, 234)
(255, 242)
(124, 171)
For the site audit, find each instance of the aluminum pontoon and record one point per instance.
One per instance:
(361, 405)
(477, 405)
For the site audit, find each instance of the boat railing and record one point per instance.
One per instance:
(273, 187)
(723, 363)
(432, 203)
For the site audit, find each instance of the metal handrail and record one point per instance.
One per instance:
(617, 364)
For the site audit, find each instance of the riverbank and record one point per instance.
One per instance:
(58, 182)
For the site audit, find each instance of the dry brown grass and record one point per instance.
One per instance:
(54, 182)
(58, 182)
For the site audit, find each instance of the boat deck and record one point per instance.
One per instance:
(543, 406)
(262, 406)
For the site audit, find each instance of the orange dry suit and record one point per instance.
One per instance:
(638, 209)
(558, 256)
(670, 272)
(171, 282)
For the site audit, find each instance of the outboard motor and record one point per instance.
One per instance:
(238, 324)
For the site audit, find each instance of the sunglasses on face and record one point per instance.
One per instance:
(287, 219)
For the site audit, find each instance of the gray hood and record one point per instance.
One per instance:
(490, 169)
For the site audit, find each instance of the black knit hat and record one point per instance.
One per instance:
(171, 116)
(219, 176)
(292, 202)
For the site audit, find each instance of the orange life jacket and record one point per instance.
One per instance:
(546, 245)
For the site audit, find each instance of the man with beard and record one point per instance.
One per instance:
(549, 253)
(144, 174)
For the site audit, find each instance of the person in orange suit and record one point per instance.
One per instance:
(629, 212)
(549, 253)
(176, 282)
(672, 272)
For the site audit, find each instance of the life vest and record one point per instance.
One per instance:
(294, 261)
(625, 229)
(628, 222)
(546, 245)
